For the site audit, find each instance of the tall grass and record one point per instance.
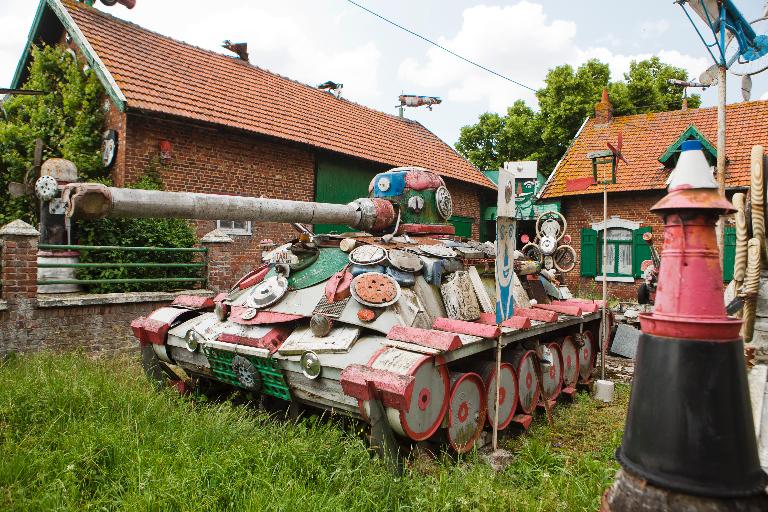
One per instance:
(79, 434)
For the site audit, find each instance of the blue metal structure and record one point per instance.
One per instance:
(723, 16)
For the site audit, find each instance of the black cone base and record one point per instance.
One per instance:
(689, 426)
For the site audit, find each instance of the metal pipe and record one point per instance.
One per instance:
(94, 201)
(721, 77)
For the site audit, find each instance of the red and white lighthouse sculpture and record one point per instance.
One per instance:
(689, 437)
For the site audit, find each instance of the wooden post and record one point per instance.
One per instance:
(721, 78)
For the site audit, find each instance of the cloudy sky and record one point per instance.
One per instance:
(319, 40)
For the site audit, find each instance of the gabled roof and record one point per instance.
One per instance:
(691, 133)
(647, 137)
(148, 72)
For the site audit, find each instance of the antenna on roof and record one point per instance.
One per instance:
(331, 88)
(685, 85)
(241, 49)
(412, 100)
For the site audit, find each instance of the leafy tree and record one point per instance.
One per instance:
(69, 120)
(568, 97)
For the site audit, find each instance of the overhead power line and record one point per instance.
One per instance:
(441, 47)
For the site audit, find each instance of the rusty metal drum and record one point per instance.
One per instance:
(552, 374)
(570, 357)
(527, 382)
(466, 411)
(429, 395)
(586, 356)
(508, 395)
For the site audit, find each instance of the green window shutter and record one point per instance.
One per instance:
(641, 251)
(588, 262)
(463, 226)
(729, 253)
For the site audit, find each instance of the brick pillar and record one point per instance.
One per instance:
(220, 276)
(19, 261)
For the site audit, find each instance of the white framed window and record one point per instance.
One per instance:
(234, 227)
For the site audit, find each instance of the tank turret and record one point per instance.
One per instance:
(403, 200)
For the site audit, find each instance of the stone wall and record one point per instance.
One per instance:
(95, 323)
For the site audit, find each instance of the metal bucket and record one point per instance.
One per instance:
(58, 258)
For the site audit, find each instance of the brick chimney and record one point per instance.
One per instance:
(603, 109)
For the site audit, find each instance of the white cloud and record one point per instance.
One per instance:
(764, 96)
(521, 42)
(650, 29)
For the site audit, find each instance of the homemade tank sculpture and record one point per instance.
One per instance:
(393, 324)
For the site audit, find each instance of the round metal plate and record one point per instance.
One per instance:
(310, 365)
(268, 292)
(249, 315)
(246, 373)
(467, 411)
(527, 382)
(404, 260)
(375, 289)
(46, 187)
(444, 202)
(439, 251)
(548, 244)
(367, 255)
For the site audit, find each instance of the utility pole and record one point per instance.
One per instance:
(721, 79)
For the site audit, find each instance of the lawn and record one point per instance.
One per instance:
(82, 434)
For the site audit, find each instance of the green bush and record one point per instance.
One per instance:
(69, 121)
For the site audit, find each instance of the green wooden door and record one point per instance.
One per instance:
(340, 181)
(463, 226)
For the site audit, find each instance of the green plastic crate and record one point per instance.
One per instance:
(271, 375)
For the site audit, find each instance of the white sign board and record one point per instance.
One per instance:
(505, 246)
(525, 169)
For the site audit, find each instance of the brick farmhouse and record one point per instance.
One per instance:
(651, 145)
(214, 123)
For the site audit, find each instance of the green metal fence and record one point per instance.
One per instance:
(202, 266)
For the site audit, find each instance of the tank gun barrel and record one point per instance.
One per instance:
(92, 201)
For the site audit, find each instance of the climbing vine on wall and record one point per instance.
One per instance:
(69, 119)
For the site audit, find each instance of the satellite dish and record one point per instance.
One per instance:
(746, 87)
(709, 77)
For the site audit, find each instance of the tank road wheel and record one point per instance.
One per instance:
(527, 383)
(467, 411)
(429, 397)
(552, 375)
(508, 395)
(586, 357)
(570, 357)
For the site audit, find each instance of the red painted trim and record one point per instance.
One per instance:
(462, 327)
(539, 315)
(420, 180)
(337, 287)
(586, 307)
(366, 383)
(262, 317)
(565, 309)
(253, 277)
(155, 331)
(137, 326)
(517, 322)
(270, 341)
(193, 302)
(220, 297)
(524, 420)
(443, 341)
(426, 229)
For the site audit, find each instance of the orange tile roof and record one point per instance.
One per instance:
(646, 138)
(160, 74)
